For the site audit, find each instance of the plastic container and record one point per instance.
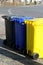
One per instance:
(20, 33)
(9, 30)
(34, 35)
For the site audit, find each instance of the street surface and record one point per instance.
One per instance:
(33, 11)
(8, 57)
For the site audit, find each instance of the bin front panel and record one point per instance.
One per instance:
(20, 35)
(9, 31)
(38, 40)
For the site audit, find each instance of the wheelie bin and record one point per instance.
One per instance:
(20, 33)
(9, 30)
(34, 35)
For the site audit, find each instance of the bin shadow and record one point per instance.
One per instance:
(16, 56)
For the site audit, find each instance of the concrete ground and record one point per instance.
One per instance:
(8, 57)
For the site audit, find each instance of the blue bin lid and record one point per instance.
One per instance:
(13, 18)
(20, 19)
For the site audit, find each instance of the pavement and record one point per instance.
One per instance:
(8, 56)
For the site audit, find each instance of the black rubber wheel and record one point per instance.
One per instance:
(21, 51)
(5, 42)
(13, 46)
(24, 52)
(35, 56)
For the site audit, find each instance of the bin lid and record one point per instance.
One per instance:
(13, 18)
(35, 21)
(21, 19)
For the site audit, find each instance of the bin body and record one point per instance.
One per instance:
(20, 38)
(20, 33)
(9, 30)
(34, 33)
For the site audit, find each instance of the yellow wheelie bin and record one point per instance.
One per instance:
(34, 37)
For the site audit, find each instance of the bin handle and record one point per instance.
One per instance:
(6, 17)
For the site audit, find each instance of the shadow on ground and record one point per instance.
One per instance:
(15, 56)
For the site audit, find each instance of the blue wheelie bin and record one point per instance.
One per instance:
(20, 33)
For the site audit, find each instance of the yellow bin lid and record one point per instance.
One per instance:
(35, 21)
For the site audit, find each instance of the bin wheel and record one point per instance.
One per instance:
(35, 56)
(13, 46)
(21, 51)
(24, 52)
(5, 42)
